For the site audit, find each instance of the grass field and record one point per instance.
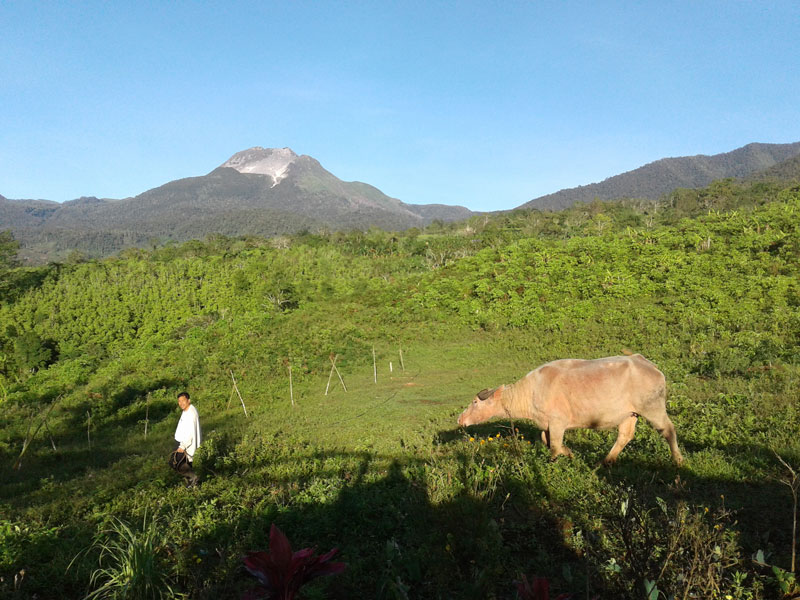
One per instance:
(418, 507)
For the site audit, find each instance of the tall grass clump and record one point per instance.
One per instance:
(131, 565)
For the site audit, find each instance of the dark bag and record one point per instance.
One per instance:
(177, 460)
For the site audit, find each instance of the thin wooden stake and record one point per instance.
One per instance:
(29, 438)
(291, 392)
(374, 366)
(391, 370)
(146, 414)
(333, 362)
(340, 378)
(793, 482)
(25, 443)
(236, 387)
(50, 435)
(233, 390)
(402, 366)
(333, 359)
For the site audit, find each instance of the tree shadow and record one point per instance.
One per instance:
(758, 509)
(20, 281)
(76, 439)
(761, 508)
(403, 534)
(392, 532)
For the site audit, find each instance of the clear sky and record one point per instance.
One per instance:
(484, 104)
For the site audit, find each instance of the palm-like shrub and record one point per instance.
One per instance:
(282, 572)
(538, 589)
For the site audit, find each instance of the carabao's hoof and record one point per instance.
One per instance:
(564, 452)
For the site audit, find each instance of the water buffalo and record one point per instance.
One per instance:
(572, 393)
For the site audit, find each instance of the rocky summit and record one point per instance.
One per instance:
(273, 162)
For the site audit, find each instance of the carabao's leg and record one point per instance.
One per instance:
(664, 426)
(556, 435)
(546, 437)
(671, 436)
(626, 430)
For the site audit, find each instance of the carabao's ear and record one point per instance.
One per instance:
(484, 394)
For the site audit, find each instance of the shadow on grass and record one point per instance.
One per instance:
(70, 441)
(760, 507)
(398, 542)
(405, 534)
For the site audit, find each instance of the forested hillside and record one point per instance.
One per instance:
(704, 283)
(660, 177)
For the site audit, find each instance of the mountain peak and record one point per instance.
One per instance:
(273, 162)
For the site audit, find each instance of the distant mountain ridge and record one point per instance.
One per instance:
(259, 191)
(273, 191)
(787, 171)
(655, 179)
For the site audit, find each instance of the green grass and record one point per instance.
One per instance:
(419, 507)
(383, 472)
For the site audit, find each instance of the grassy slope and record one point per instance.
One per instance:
(381, 471)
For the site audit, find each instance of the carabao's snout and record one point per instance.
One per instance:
(479, 410)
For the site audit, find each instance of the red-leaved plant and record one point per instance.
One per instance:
(282, 572)
(538, 590)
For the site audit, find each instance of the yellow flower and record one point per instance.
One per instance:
(472, 439)
(483, 441)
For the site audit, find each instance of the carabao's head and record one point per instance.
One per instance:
(485, 405)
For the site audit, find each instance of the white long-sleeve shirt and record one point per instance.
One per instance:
(188, 433)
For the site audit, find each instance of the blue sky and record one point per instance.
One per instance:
(483, 104)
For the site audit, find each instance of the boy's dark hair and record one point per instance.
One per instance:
(184, 394)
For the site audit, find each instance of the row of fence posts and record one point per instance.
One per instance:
(334, 369)
(234, 390)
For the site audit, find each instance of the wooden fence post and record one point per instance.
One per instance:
(233, 391)
(332, 358)
(236, 387)
(146, 414)
(291, 390)
(50, 435)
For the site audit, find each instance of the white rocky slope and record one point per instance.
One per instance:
(273, 162)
